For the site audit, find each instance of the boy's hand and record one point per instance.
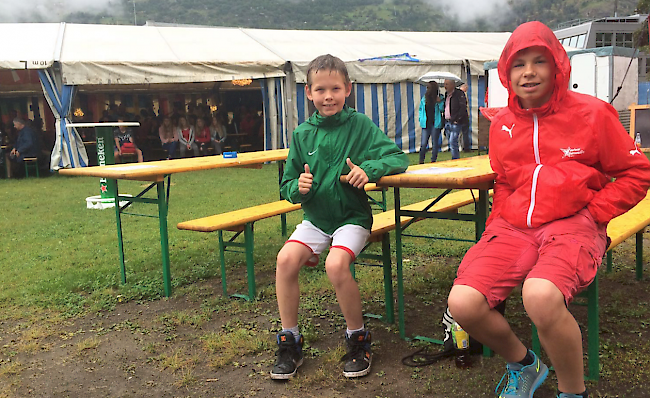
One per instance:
(305, 180)
(357, 177)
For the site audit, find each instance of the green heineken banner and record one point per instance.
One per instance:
(105, 155)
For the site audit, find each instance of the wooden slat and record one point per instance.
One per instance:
(239, 217)
(629, 223)
(156, 170)
(385, 222)
(473, 171)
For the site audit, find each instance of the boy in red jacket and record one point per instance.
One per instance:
(554, 152)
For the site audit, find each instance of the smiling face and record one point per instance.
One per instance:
(532, 75)
(328, 91)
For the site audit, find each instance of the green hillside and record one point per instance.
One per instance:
(416, 15)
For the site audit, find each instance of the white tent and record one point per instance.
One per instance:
(383, 65)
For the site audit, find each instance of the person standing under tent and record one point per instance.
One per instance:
(464, 128)
(455, 115)
(432, 106)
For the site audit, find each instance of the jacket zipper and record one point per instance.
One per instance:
(533, 188)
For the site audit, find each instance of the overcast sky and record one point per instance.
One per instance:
(468, 10)
(55, 10)
(52, 10)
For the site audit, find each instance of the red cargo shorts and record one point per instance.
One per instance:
(566, 252)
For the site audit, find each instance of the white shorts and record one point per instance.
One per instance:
(349, 237)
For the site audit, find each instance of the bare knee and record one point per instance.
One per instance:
(289, 261)
(338, 268)
(466, 304)
(543, 302)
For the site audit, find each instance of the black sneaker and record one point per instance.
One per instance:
(289, 356)
(359, 356)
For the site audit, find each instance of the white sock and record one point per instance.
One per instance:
(349, 332)
(295, 331)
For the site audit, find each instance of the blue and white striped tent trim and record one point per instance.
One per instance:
(275, 126)
(69, 150)
(393, 107)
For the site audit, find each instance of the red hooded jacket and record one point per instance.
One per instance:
(554, 160)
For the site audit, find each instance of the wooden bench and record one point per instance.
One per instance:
(239, 221)
(31, 163)
(633, 222)
(384, 223)
(242, 220)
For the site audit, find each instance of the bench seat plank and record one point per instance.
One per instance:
(629, 223)
(239, 217)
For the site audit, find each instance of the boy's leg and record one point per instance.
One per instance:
(569, 256)
(140, 156)
(290, 259)
(558, 331)
(337, 266)
(470, 309)
(489, 271)
(347, 242)
(289, 354)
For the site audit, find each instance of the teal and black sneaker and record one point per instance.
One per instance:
(288, 356)
(523, 380)
(359, 356)
(565, 395)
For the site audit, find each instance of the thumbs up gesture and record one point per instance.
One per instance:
(305, 180)
(357, 177)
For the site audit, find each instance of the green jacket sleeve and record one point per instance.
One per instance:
(292, 170)
(383, 156)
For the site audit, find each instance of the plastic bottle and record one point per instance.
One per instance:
(461, 343)
(637, 140)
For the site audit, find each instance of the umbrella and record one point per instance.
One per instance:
(431, 76)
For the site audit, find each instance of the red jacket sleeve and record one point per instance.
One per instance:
(620, 159)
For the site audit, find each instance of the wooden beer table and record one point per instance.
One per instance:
(468, 173)
(156, 173)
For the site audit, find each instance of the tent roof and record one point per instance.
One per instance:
(119, 54)
(28, 45)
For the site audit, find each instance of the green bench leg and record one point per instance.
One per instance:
(250, 262)
(164, 238)
(593, 322)
(389, 317)
(609, 261)
(33, 165)
(639, 255)
(222, 258)
(118, 222)
(388, 279)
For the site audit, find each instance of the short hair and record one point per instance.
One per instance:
(327, 62)
(20, 120)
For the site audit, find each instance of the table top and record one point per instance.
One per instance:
(156, 171)
(472, 172)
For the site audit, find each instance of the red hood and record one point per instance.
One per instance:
(528, 35)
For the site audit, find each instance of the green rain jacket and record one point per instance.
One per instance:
(324, 143)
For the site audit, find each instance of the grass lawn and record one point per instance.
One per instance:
(68, 326)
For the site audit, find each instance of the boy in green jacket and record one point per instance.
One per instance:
(336, 140)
